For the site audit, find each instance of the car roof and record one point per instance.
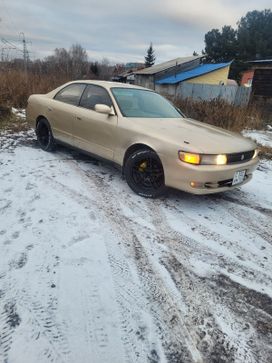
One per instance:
(108, 84)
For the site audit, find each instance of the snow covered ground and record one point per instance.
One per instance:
(262, 137)
(90, 272)
(20, 113)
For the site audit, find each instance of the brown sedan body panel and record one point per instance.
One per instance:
(111, 136)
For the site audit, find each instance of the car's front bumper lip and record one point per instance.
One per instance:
(209, 178)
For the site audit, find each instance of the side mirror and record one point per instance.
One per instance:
(105, 109)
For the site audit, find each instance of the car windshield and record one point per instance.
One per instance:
(135, 102)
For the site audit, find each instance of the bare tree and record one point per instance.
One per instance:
(79, 59)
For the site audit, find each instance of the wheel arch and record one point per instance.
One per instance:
(136, 147)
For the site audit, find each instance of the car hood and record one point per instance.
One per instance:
(192, 135)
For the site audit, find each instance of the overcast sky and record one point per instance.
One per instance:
(119, 30)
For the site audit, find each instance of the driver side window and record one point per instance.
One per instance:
(94, 95)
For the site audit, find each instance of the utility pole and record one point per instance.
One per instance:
(25, 52)
(2, 54)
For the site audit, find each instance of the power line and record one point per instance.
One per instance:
(10, 45)
(6, 48)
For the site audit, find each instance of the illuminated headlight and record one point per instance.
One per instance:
(220, 159)
(256, 152)
(192, 158)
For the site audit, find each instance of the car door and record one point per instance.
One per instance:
(93, 131)
(62, 109)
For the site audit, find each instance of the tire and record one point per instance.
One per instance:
(144, 174)
(44, 135)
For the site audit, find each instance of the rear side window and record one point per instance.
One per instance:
(94, 95)
(71, 94)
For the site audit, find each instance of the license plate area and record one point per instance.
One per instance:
(238, 177)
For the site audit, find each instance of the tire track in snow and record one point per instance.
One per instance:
(41, 309)
(229, 345)
(136, 352)
(255, 207)
(177, 342)
(9, 321)
(9, 298)
(205, 288)
(55, 347)
(243, 259)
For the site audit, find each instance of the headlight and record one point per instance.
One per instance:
(192, 158)
(220, 159)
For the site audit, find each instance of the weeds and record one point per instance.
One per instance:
(222, 114)
(13, 124)
(265, 152)
(15, 87)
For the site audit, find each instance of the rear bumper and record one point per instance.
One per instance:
(207, 179)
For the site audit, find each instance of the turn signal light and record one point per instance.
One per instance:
(189, 157)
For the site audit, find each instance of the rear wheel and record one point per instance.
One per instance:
(144, 173)
(44, 135)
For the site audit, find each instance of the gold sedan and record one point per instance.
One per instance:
(136, 128)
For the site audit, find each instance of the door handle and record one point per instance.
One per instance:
(49, 109)
(78, 118)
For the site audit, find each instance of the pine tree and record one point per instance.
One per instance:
(150, 56)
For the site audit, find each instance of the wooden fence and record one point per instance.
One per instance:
(204, 92)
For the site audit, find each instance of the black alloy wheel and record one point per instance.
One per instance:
(144, 173)
(44, 135)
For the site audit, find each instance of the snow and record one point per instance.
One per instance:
(20, 113)
(261, 137)
(91, 272)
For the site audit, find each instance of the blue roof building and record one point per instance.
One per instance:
(216, 73)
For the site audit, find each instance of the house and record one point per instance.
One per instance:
(214, 73)
(262, 78)
(188, 77)
(124, 77)
(203, 75)
(148, 77)
(125, 74)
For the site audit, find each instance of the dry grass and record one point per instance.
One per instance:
(265, 152)
(13, 124)
(222, 114)
(15, 87)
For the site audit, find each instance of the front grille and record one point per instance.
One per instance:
(225, 183)
(240, 157)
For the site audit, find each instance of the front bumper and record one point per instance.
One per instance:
(207, 178)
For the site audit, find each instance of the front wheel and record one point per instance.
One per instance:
(44, 135)
(144, 174)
